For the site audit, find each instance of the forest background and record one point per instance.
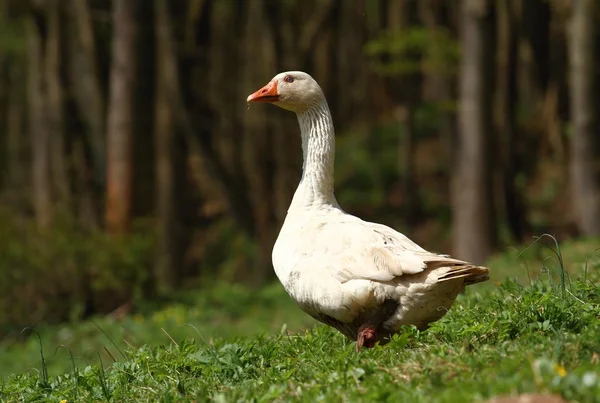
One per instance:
(131, 166)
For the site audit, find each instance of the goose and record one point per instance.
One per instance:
(364, 279)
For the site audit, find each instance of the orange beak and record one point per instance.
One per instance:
(268, 93)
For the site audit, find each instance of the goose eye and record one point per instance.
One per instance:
(288, 79)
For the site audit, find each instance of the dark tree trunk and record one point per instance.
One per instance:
(38, 128)
(438, 85)
(88, 105)
(144, 92)
(258, 158)
(54, 105)
(585, 141)
(86, 84)
(14, 131)
(510, 152)
(169, 253)
(471, 185)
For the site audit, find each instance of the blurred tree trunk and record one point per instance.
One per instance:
(258, 153)
(585, 141)
(86, 85)
(12, 169)
(536, 15)
(409, 89)
(144, 94)
(88, 99)
(199, 134)
(217, 120)
(38, 127)
(4, 99)
(471, 187)
(557, 96)
(54, 104)
(439, 85)
(351, 104)
(169, 252)
(14, 129)
(537, 91)
(404, 89)
(510, 152)
(120, 118)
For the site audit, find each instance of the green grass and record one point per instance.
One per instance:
(541, 260)
(223, 311)
(230, 344)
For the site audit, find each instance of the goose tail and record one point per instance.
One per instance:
(451, 269)
(470, 273)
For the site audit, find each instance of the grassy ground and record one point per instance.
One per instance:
(231, 344)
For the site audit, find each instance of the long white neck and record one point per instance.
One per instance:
(318, 147)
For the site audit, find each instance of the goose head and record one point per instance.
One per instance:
(291, 90)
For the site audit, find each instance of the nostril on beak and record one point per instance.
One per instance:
(263, 91)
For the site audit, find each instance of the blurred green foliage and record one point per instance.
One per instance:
(60, 274)
(13, 40)
(414, 49)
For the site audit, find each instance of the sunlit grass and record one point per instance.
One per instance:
(540, 333)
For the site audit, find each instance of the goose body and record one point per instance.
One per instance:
(364, 279)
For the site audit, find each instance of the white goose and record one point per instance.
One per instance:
(364, 279)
